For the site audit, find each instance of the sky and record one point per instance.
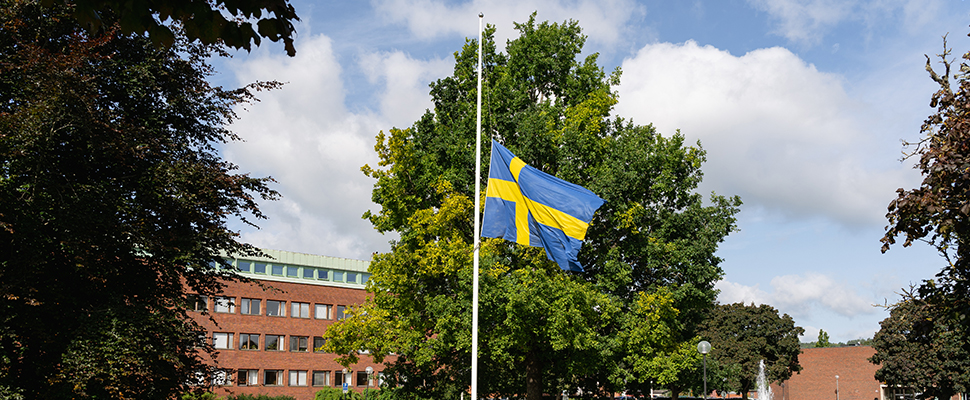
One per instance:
(802, 107)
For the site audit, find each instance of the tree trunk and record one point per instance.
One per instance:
(533, 376)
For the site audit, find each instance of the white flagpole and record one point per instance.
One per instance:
(478, 183)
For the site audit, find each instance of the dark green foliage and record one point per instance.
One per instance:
(113, 204)
(823, 339)
(259, 397)
(918, 348)
(196, 19)
(744, 335)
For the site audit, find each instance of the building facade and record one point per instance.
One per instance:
(268, 335)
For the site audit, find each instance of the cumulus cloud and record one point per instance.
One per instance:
(779, 133)
(605, 22)
(305, 138)
(801, 296)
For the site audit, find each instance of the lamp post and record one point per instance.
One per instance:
(836, 387)
(704, 347)
(370, 373)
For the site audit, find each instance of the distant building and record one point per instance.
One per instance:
(267, 338)
(856, 377)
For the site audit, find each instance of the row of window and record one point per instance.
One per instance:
(251, 341)
(295, 271)
(273, 308)
(275, 377)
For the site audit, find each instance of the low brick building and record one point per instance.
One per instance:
(267, 339)
(820, 366)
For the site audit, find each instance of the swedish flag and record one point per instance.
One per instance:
(532, 208)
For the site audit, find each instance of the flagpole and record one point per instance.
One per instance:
(477, 233)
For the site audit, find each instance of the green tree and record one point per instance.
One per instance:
(746, 335)
(649, 252)
(230, 23)
(917, 348)
(938, 211)
(823, 339)
(113, 204)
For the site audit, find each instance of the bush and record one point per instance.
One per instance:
(259, 397)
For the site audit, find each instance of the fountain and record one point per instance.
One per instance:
(764, 390)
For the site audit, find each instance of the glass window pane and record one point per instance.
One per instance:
(308, 272)
(364, 278)
(292, 271)
(323, 274)
(338, 276)
(322, 311)
(274, 308)
(278, 270)
(318, 342)
(259, 268)
(244, 266)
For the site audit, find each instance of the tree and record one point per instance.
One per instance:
(938, 211)
(823, 339)
(649, 252)
(746, 335)
(916, 348)
(210, 22)
(113, 205)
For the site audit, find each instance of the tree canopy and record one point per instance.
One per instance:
(916, 348)
(113, 205)
(234, 23)
(745, 335)
(938, 211)
(649, 255)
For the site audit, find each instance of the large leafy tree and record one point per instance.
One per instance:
(938, 211)
(916, 348)
(744, 335)
(649, 254)
(237, 23)
(113, 204)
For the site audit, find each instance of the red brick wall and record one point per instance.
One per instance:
(820, 366)
(237, 323)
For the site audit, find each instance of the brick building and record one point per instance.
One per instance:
(819, 368)
(267, 337)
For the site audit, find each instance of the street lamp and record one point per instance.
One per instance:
(704, 347)
(370, 372)
(836, 387)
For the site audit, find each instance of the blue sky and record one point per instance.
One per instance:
(801, 106)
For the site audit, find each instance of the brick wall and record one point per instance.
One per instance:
(287, 326)
(820, 366)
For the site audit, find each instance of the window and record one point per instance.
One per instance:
(322, 311)
(292, 271)
(318, 342)
(274, 343)
(297, 378)
(342, 312)
(246, 377)
(278, 270)
(364, 278)
(274, 308)
(221, 377)
(338, 378)
(225, 305)
(222, 340)
(308, 272)
(352, 277)
(244, 266)
(323, 274)
(198, 302)
(300, 310)
(248, 341)
(298, 343)
(249, 306)
(259, 268)
(362, 378)
(273, 377)
(338, 276)
(321, 378)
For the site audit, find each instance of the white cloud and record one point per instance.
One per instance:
(807, 21)
(801, 296)
(778, 132)
(305, 138)
(604, 22)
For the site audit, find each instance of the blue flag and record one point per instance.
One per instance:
(532, 208)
